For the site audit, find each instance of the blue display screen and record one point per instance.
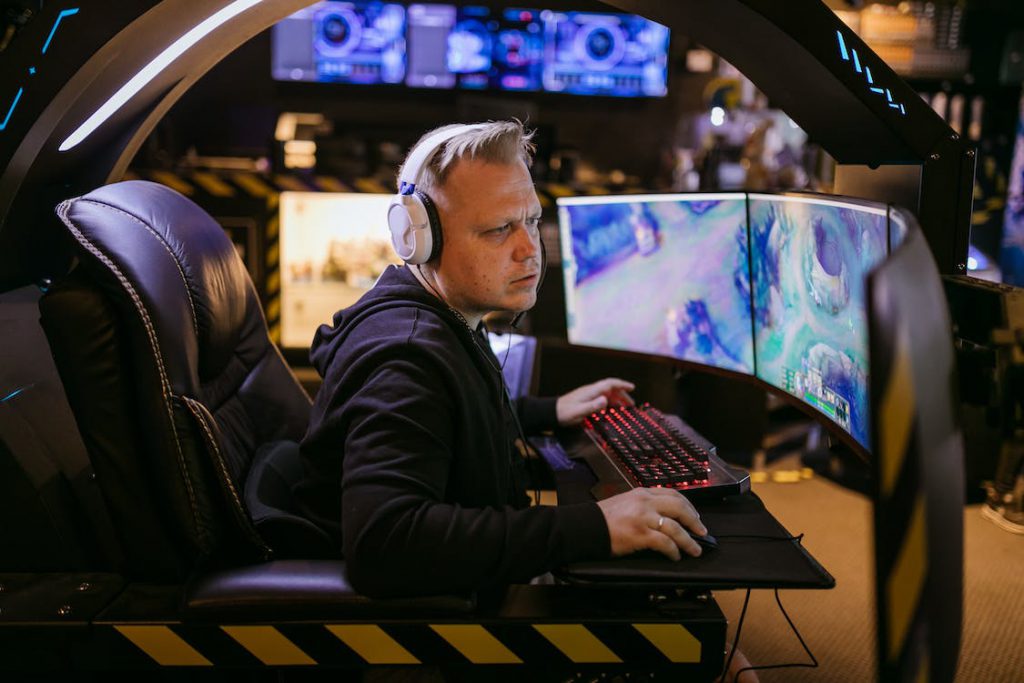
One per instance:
(660, 274)
(496, 49)
(605, 54)
(342, 42)
(471, 47)
(810, 260)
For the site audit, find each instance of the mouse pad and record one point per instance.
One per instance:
(742, 560)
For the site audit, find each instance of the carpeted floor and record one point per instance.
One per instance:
(838, 625)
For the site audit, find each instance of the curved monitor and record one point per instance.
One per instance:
(770, 286)
(660, 274)
(810, 258)
(900, 221)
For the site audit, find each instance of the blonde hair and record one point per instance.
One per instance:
(499, 142)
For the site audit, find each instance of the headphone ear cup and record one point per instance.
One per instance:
(434, 223)
(409, 224)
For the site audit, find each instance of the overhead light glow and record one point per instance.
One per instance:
(151, 70)
(717, 116)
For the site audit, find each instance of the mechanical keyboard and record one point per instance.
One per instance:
(648, 448)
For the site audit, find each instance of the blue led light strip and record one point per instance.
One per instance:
(842, 46)
(10, 111)
(14, 393)
(64, 13)
(866, 70)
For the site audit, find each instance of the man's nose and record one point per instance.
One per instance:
(528, 245)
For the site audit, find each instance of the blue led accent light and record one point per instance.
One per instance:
(10, 111)
(11, 395)
(866, 70)
(842, 46)
(31, 71)
(64, 13)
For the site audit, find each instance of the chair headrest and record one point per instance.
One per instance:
(178, 265)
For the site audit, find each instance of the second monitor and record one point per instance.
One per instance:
(810, 259)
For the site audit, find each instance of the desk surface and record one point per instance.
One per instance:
(754, 548)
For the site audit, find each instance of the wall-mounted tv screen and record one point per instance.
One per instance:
(341, 42)
(660, 274)
(473, 47)
(497, 49)
(334, 246)
(428, 30)
(623, 55)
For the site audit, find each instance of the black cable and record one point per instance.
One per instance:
(802, 665)
(736, 638)
(506, 398)
(508, 349)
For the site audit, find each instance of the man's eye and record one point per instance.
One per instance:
(502, 230)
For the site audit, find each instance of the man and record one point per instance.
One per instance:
(409, 455)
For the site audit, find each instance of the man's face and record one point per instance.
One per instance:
(490, 258)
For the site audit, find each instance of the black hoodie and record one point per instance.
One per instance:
(409, 457)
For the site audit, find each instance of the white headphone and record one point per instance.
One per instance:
(412, 218)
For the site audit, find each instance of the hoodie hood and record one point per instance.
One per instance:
(397, 287)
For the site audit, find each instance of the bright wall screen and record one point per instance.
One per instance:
(334, 246)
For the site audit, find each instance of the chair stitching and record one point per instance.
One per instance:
(167, 248)
(62, 212)
(195, 407)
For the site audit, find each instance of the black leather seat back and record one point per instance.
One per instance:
(183, 348)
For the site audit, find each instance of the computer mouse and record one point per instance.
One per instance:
(706, 542)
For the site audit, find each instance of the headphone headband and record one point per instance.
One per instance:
(412, 219)
(420, 157)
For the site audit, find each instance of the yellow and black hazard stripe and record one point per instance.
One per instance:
(901, 525)
(350, 645)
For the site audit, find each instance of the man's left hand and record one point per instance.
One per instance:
(573, 407)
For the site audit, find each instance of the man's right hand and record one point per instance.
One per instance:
(652, 519)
